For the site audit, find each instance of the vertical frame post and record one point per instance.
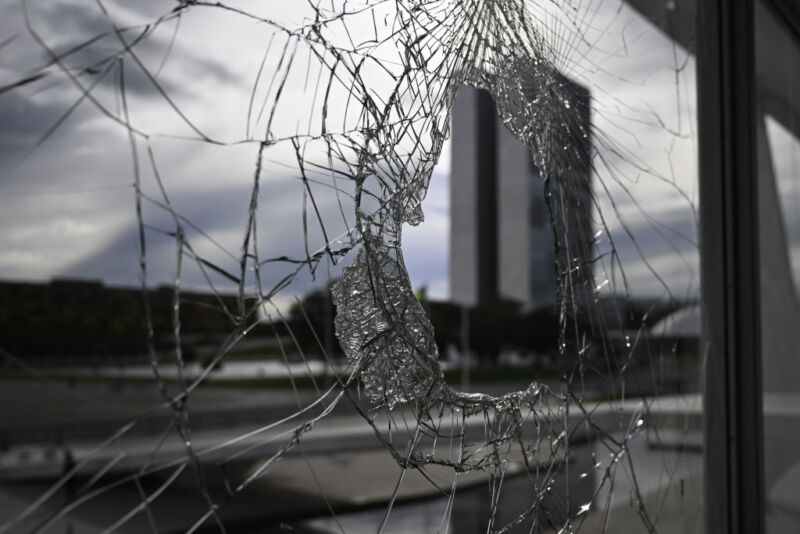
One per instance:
(734, 495)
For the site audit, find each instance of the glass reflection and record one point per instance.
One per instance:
(778, 150)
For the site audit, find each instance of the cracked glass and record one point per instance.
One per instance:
(212, 318)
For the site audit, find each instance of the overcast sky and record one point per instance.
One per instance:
(67, 202)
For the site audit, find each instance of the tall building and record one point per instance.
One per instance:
(501, 241)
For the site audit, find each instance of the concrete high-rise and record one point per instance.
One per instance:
(501, 241)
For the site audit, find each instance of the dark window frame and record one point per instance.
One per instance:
(729, 253)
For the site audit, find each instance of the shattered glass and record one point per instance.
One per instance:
(300, 166)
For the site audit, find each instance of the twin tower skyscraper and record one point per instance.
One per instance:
(503, 245)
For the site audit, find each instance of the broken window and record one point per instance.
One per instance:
(249, 156)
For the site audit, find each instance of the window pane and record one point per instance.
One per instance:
(227, 179)
(778, 149)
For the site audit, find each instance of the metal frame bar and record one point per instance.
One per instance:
(734, 489)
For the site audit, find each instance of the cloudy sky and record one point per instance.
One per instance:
(67, 203)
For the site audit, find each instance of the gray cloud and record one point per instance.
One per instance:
(94, 234)
(82, 29)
